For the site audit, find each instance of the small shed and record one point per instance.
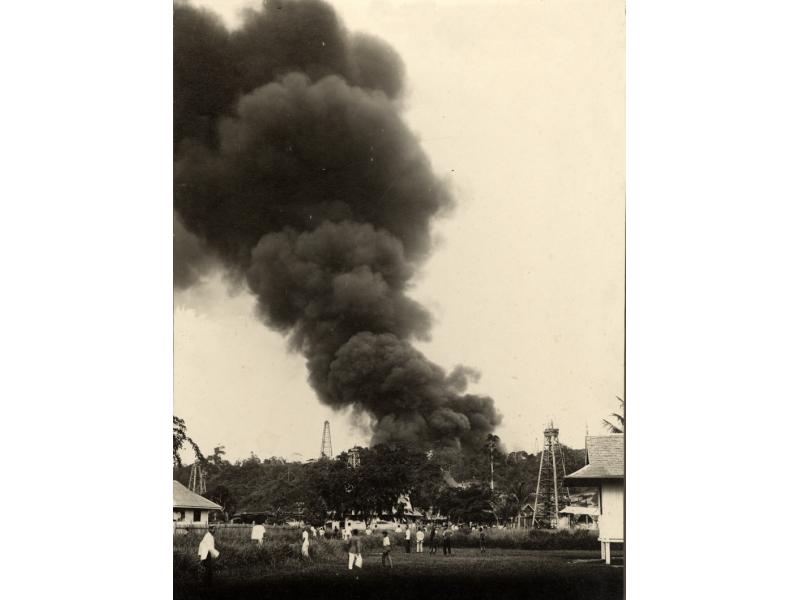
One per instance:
(605, 471)
(581, 517)
(525, 516)
(190, 509)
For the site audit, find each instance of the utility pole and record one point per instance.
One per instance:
(491, 467)
(491, 443)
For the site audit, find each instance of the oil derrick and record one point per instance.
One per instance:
(327, 449)
(551, 493)
(197, 479)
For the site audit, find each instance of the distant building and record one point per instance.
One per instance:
(580, 517)
(605, 471)
(190, 509)
(525, 516)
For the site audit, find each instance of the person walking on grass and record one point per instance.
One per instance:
(354, 551)
(432, 540)
(446, 547)
(420, 538)
(482, 535)
(387, 550)
(408, 539)
(207, 554)
(304, 548)
(257, 534)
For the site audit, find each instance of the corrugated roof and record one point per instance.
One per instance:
(606, 458)
(183, 497)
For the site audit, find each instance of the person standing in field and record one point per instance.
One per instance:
(432, 540)
(483, 540)
(387, 550)
(446, 547)
(408, 539)
(207, 554)
(354, 551)
(420, 538)
(304, 548)
(257, 534)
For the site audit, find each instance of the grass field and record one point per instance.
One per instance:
(498, 574)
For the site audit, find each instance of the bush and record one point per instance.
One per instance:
(281, 549)
(528, 539)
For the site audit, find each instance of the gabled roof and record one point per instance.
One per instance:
(606, 460)
(183, 497)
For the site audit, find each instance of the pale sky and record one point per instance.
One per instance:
(522, 106)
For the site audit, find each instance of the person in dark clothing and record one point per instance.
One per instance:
(433, 541)
(408, 539)
(483, 540)
(446, 538)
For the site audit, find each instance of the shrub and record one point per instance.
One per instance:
(528, 539)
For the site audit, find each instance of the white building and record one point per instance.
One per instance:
(580, 517)
(606, 471)
(190, 509)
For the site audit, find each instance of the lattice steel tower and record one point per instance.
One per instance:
(551, 493)
(327, 449)
(197, 479)
(353, 458)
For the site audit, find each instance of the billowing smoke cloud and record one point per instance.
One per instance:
(190, 258)
(294, 169)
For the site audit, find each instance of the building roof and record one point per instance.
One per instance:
(183, 497)
(580, 510)
(606, 460)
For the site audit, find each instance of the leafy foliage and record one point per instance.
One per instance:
(313, 490)
(179, 438)
(617, 423)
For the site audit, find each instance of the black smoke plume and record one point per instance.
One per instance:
(295, 170)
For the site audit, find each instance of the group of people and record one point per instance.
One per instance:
(259, 531)
(208, 553)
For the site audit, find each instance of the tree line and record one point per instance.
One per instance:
(456, 483)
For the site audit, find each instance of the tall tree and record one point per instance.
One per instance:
(492, 441)
(179, 438)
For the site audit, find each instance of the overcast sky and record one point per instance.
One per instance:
(521, 105)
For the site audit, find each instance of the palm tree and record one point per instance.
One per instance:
(491, 444)
(617, 423)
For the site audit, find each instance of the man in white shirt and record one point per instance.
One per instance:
(420, 539)
(257, 534)
(408, 539)
(207, 553)
(387, 550)
(304, 549)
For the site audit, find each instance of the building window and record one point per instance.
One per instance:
(197, 516)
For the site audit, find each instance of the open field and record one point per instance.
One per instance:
(466, 574)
